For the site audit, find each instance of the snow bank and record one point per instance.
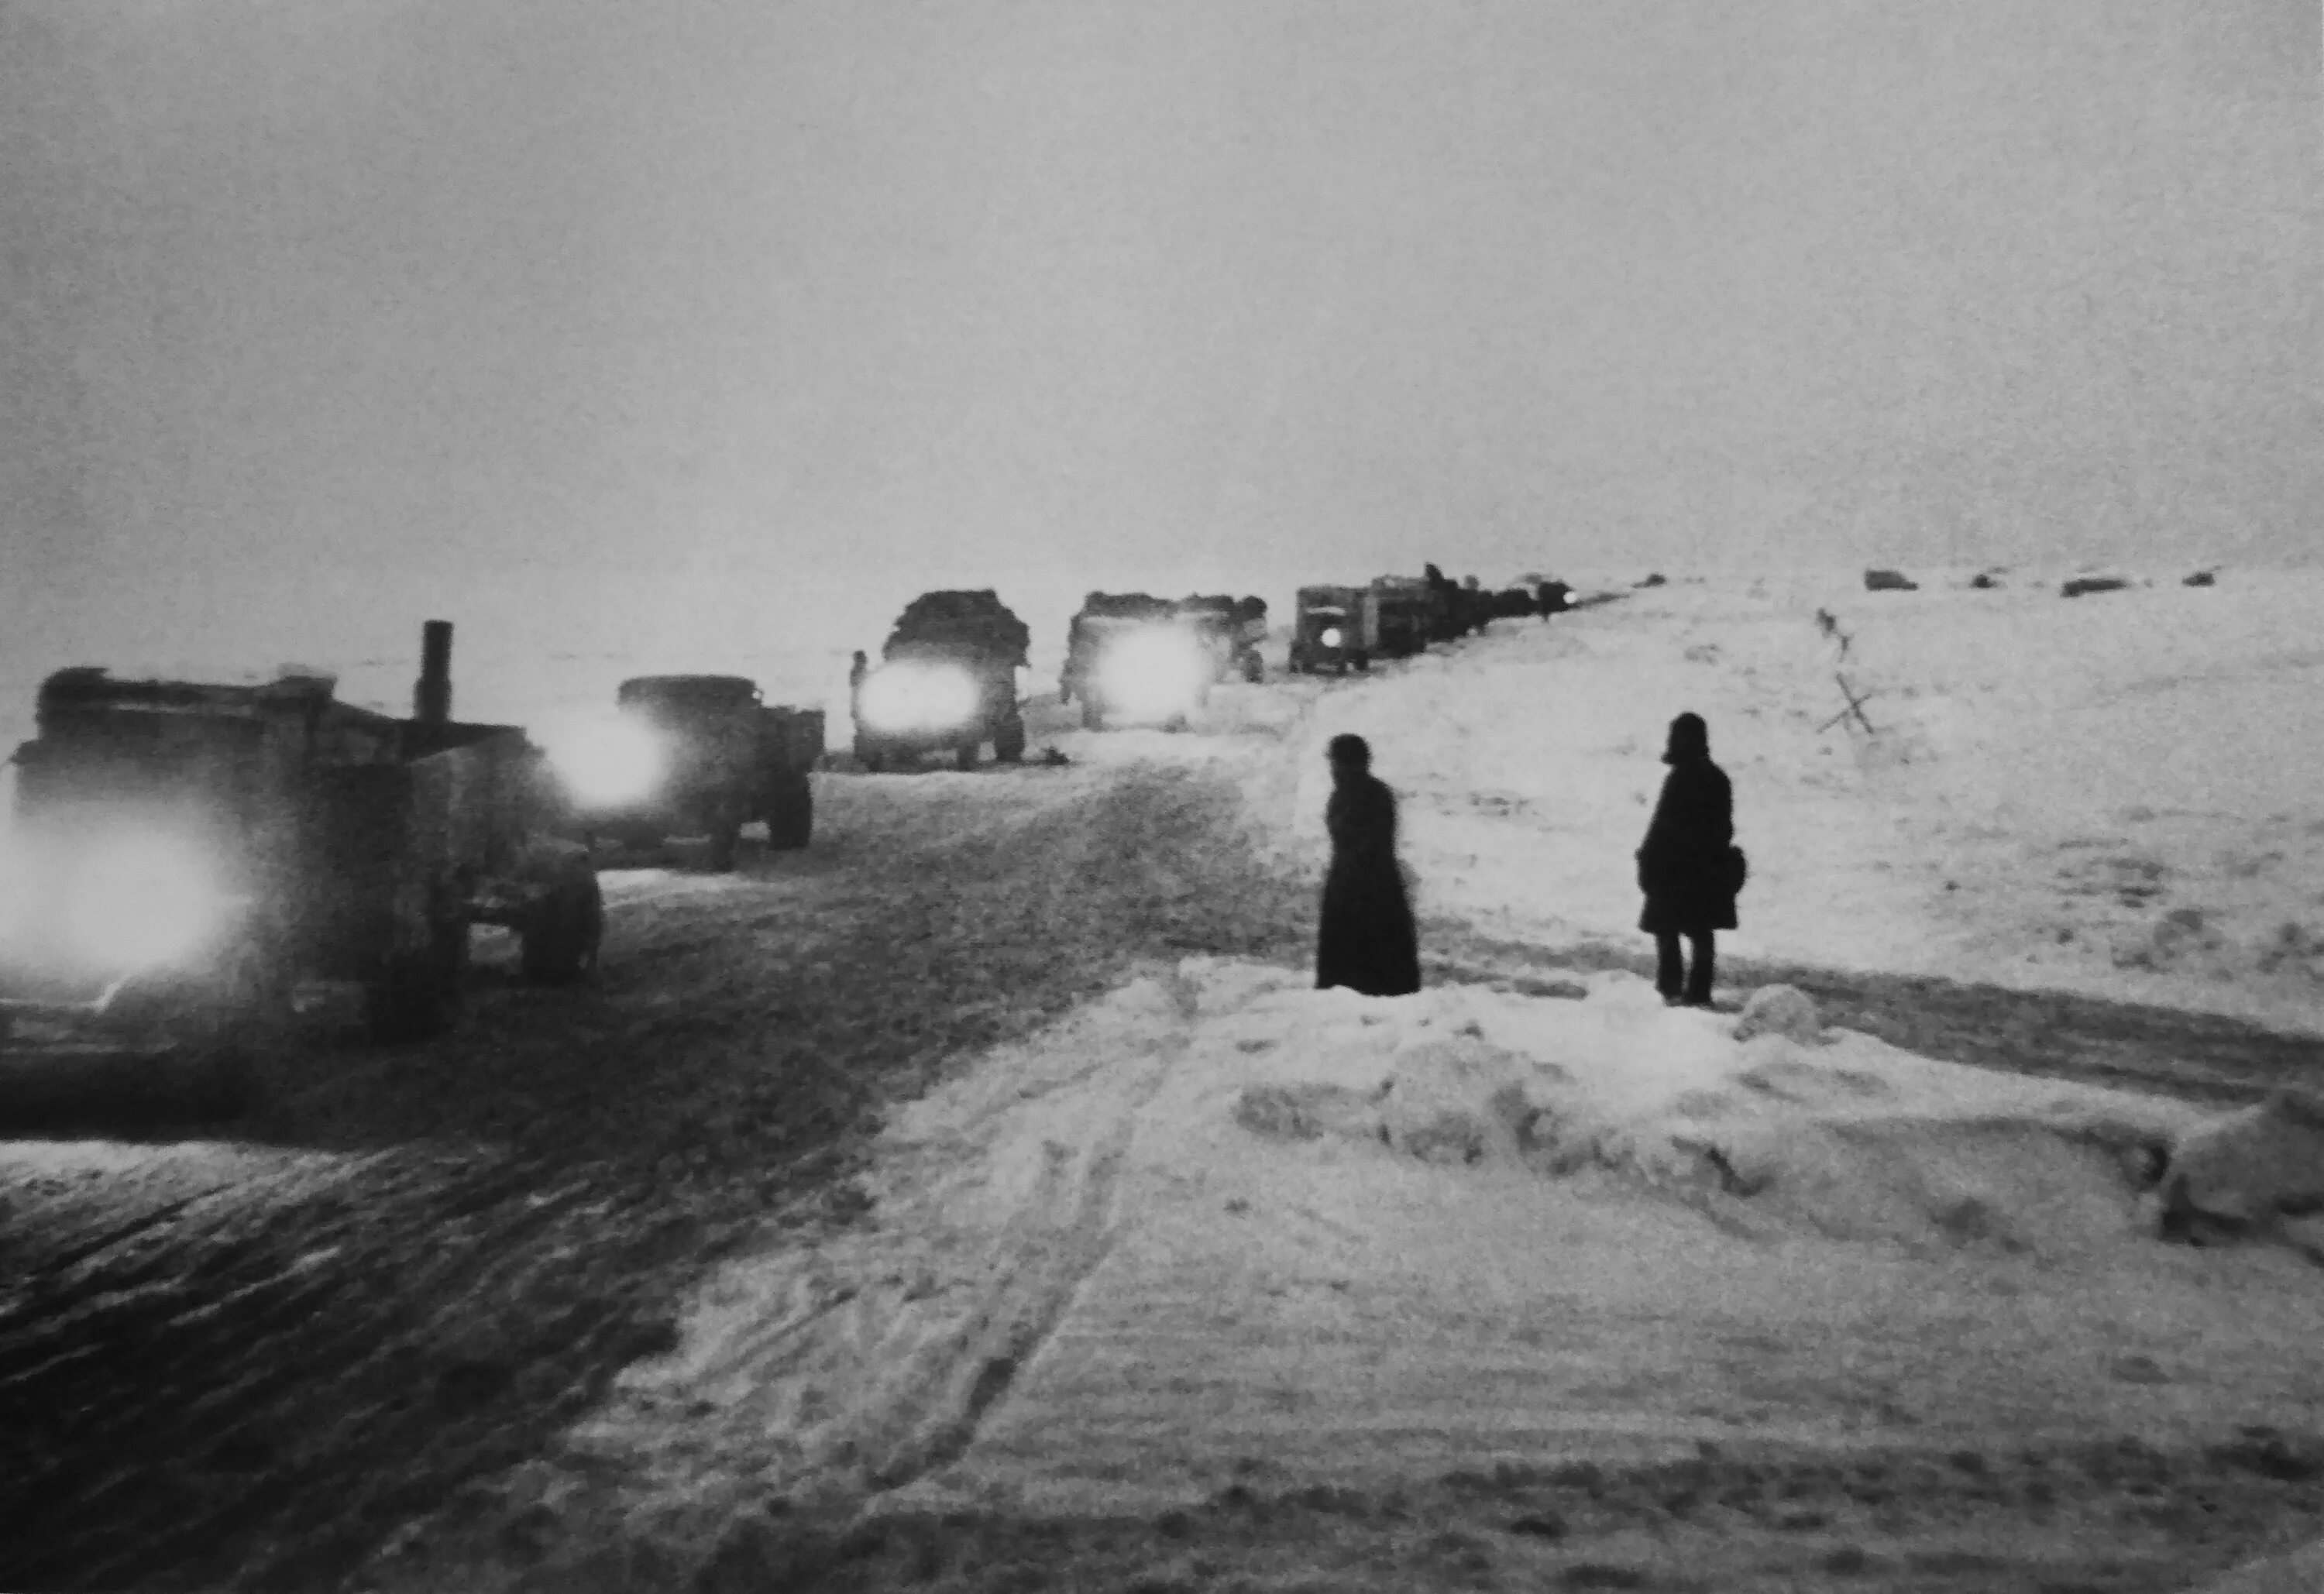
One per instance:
(1848, 1138)
(1221, 1221)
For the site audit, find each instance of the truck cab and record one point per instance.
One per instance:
(1335, 629)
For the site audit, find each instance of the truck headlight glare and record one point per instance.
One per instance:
(1155, 672)
(1331, 638)
(140, 901)
(918, 697)
(610, 764)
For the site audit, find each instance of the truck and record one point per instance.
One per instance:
(694, 755)
(1233, 628)
(1410, 610)
(947, 682)
(1134, 658)
(188, 861)
(1334, 628)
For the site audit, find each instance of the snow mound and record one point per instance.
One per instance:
(1780, 1009)
(2250, 1166)
(1764, 1123)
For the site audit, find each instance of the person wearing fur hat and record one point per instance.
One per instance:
(1367, 940)
(1687, 864)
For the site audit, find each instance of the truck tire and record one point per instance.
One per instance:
(726, 838)
(1092, 715)
(558, 941)
(791, 815)
(637, 838)
(418, 994)
(1254, 669)
(1008, 741)
(1362, 661)
(255, 1023)
(964, 759)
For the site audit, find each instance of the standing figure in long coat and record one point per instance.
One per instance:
(1367, 941)
(1683, 864)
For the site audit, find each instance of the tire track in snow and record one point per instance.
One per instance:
(1044, 1271)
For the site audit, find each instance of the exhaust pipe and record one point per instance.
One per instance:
(431, 696)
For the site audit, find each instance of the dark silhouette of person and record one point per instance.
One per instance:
(1683, 863)
(856, 671)
(1367, 940)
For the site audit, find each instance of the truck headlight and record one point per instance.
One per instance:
(1331, 638)
(918, 697)
(610, 764)
(1155, 672)
(139, 901)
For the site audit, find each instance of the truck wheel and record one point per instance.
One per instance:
(1254, 669)
(559, 937)
(1093, 717)
(418, 995)
(725, 837)
(790, 816)
(637, 838)
(1364, 662)
(1008, 741)
(256, 1023)
(965, 760)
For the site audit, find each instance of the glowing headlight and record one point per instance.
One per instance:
(611, 763)
(1331, 636)
(1154, 672)
(918, 697)
(141, 901)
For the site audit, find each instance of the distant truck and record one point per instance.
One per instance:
(188, 857)
(1234, 629)
(1134, 658)
(697, 755)
(947, 682)
(1410, 610)
(1335, 629)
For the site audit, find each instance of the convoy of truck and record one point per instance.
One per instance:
(190, 859)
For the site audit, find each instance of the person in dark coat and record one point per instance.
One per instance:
(1683, 864)
(1367, 940)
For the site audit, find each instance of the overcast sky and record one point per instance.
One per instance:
(477, 283)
